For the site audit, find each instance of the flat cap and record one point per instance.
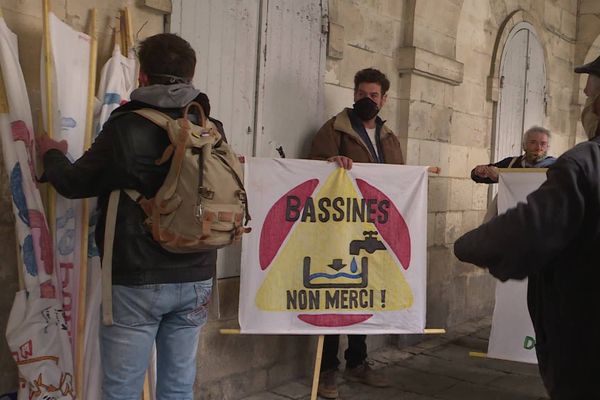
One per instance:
(590, 68)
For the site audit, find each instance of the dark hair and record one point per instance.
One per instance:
(372, 75)
(166, 56)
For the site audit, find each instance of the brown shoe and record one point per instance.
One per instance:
(328, 385)
(365, 374)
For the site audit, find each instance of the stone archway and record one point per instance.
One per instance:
(509, 23)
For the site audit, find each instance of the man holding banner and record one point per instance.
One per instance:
(358, 135)
(156, 295)
(553, 239)
(535, 145)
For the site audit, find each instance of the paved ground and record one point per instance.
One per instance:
(438, 368)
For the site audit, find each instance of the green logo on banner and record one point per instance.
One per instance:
(529, 343)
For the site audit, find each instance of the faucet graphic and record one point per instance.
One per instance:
(353, 278)
(370, 244)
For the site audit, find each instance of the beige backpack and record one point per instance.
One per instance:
(201, 205)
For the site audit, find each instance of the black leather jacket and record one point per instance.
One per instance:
(553, 239)
(122, 157)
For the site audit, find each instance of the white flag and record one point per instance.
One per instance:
(70, 56)
(36, 331)
(512, 336)
(334, 251)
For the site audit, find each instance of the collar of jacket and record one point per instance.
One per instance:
(343, 124)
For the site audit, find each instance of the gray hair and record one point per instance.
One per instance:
(535, 129)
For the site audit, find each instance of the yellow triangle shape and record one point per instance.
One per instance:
(315, 270)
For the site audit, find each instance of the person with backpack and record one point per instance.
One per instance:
(355, 135)
(553, 240)
(157, 295)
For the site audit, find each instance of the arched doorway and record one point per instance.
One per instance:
(522, 101)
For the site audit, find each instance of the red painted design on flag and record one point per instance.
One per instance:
(37, 222)
(21, 133)
(394, 231)
(334, 320)
(275, 227)
(47, 290)
(26, 350)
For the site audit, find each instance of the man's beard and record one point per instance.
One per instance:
(535, 157)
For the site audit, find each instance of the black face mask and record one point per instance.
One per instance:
(366, 109)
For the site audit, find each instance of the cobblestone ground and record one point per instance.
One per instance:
(439, 368)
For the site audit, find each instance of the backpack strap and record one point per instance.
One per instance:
(159, 118)
(109, 238)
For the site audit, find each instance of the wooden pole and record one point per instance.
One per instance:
(4, 108)
(49, 117)
(117, 31)
(85, 210)
(317, 371)
(123, 29)
(128, 30)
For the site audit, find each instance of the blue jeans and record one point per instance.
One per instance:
(170, 314)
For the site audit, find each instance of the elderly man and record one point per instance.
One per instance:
(535, 144)
(553, 239)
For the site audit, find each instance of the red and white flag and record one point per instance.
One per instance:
(36, 332)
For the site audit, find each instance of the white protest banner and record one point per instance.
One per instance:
(70, 57)
(36, 331)
(117, 81)
(334, 251)
(512, 336)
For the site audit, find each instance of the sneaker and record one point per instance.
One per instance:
(363, 373)
(328, 385)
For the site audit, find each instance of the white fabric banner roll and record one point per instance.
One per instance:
(512, 336)
(36, 331)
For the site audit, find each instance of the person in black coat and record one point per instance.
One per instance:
(553, 240)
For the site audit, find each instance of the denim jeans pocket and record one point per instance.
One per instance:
(134, 305)
(199, 315)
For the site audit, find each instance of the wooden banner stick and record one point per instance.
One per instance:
(426, 331)
(521, 170)
(4, 107)
(123, 24)
(477, 354)
(117, 33)
(128, 30)
(85, 211)
(317, 371)
(51, 193)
